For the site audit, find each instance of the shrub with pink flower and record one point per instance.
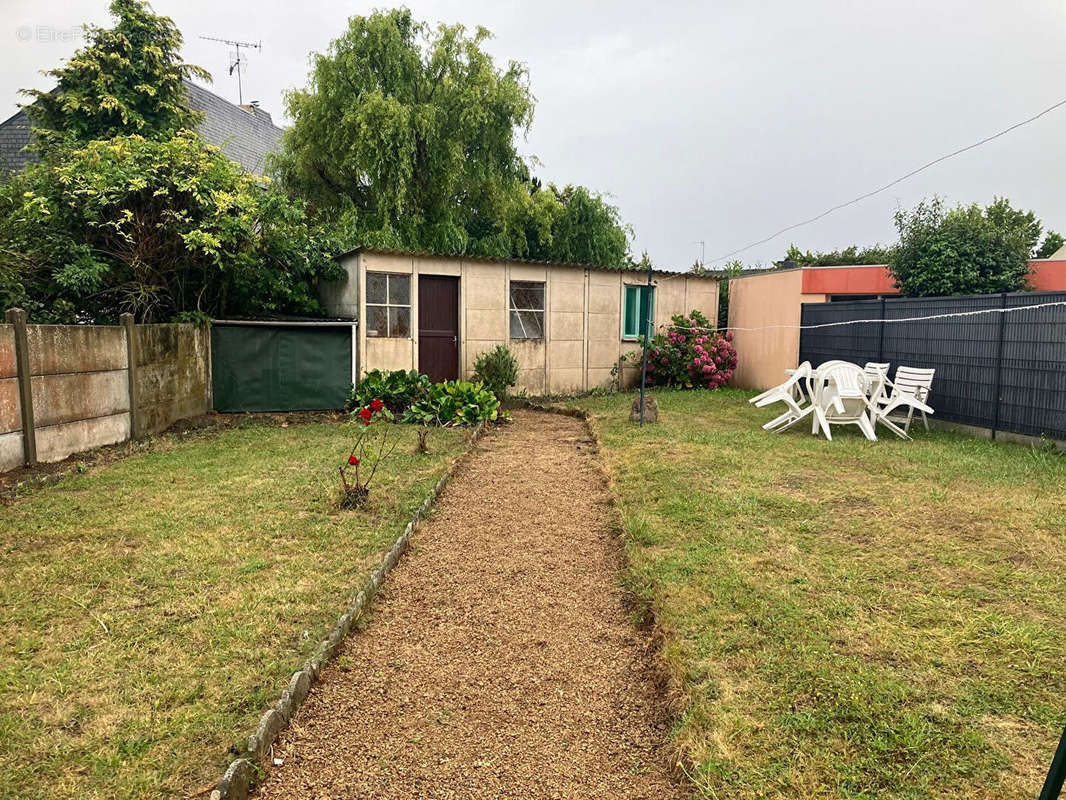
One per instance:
(690, 355)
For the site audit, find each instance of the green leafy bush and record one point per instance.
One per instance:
(497, 369)
(454, 403)
(398, 390)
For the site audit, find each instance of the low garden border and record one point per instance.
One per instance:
(241, 775)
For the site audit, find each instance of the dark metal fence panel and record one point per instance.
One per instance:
(857, 343)
(993, 370)
(1033, 384)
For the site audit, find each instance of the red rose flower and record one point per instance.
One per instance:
(365, 414)
(367, 421)
(353, 460)
(376, 405)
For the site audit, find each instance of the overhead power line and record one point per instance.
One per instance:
(890, 184)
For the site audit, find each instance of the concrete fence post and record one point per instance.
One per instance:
(17, 318)
(126, 320)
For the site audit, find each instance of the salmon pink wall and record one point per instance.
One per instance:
(1045, 276)
(1048, 276)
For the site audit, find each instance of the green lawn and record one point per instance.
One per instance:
(847, 619)
(154, 608)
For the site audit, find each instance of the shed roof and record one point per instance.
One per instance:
(501, 261)
(243, 133)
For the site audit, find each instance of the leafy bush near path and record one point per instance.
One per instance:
(398, 390)
(454, 403)
(497, 369)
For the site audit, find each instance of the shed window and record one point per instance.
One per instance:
(638, 310)
(527, 310)
(388, 305)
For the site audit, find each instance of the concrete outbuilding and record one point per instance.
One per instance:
(568, 324)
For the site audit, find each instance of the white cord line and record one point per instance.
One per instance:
(867, 321)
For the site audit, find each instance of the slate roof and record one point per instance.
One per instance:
(245, 136)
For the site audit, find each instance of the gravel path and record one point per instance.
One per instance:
(499, 660)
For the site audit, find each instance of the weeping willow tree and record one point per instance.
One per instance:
(407, 137)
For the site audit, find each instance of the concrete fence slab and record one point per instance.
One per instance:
(56, 442)
(57, 349)
(79, 396)
(11, 453)
(8, 365)
(10, 412)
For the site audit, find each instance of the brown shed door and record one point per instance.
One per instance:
(438, 327)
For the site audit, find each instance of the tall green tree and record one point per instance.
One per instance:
(127, 80)
(409, 132)
(407, 137)
(964, 250)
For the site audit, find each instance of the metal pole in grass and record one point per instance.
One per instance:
(647, 335)
(1055, 775)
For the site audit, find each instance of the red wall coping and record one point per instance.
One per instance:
(1045, 276)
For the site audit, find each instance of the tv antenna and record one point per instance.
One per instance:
(236, 62)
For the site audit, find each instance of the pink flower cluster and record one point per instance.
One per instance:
(692, 355)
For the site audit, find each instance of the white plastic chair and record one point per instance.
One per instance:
(910, 390)
(875, 368)
(849, 398)
(791, 394)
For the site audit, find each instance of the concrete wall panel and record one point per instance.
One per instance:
(11, 455)
(388, 354)
(603, 354)
(56, 442)
(56, 349)
(10, 410)
(8, 367)
(605, 298)
(566, 380)
(566, 325)
(530, 381)
(565, 355)
(605, 328)
(483, 324)
(529, 353)
(73, 396)
(486, 288)
(172, 380)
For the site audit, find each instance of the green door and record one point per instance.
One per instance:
(282, 368)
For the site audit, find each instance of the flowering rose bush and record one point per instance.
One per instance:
(369, 449)
(693, 359)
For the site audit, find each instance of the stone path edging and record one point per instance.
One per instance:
(237, 781)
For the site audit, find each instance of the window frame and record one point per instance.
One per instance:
(387, 305)
(512, 309)
(644, 290)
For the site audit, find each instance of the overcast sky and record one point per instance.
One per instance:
(714, 121)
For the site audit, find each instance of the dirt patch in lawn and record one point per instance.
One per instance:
(500, 660)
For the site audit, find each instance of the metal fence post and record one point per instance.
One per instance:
(881, 333)
(1056, 773)
(17, 318)
(126, 320)
(999, 366)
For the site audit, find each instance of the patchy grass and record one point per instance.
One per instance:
(153, 608)
(847, 619)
